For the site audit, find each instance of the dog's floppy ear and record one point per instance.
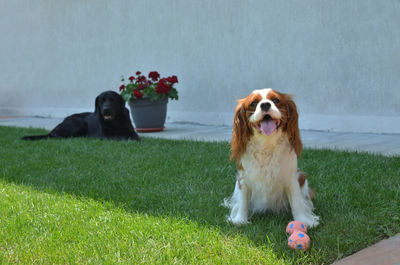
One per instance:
(241, 132)
(121, 103)
(97, 105)
(292, 125)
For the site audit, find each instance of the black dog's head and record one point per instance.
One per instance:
(109, 105)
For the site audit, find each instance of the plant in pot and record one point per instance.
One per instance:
(147, 98)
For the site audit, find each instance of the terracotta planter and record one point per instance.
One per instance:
(148, 116)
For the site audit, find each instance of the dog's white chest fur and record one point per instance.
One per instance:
(267, 165)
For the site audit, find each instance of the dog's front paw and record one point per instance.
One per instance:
(309, 220)
(238, 220)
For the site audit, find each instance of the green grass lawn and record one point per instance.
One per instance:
(159, 202)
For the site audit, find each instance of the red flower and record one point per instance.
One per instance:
(149, 85)
(141, 79)
(137, 94)
(162, 87)
(172, 79)
(154, 75)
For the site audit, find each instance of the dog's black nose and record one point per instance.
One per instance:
(106, 111)
(265, 106)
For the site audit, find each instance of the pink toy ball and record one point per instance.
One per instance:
(299, 241)
(296, 225)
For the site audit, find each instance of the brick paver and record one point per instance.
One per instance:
(386, 252)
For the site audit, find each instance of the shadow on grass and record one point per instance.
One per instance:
(357, 194)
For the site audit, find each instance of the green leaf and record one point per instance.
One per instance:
(130, 87)
(173, 94)
(126, 95)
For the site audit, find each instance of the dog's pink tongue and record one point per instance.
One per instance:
(267, 127)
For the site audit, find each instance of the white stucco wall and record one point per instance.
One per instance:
(341, 59)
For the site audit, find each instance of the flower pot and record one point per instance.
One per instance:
(148, 116)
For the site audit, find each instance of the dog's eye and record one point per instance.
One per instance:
(253, 104)
(276, 100)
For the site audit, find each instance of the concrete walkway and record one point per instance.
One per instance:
(385, 144)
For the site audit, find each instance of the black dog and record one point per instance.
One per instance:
(110, 120)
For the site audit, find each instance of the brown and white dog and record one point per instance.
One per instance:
(265, 145)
